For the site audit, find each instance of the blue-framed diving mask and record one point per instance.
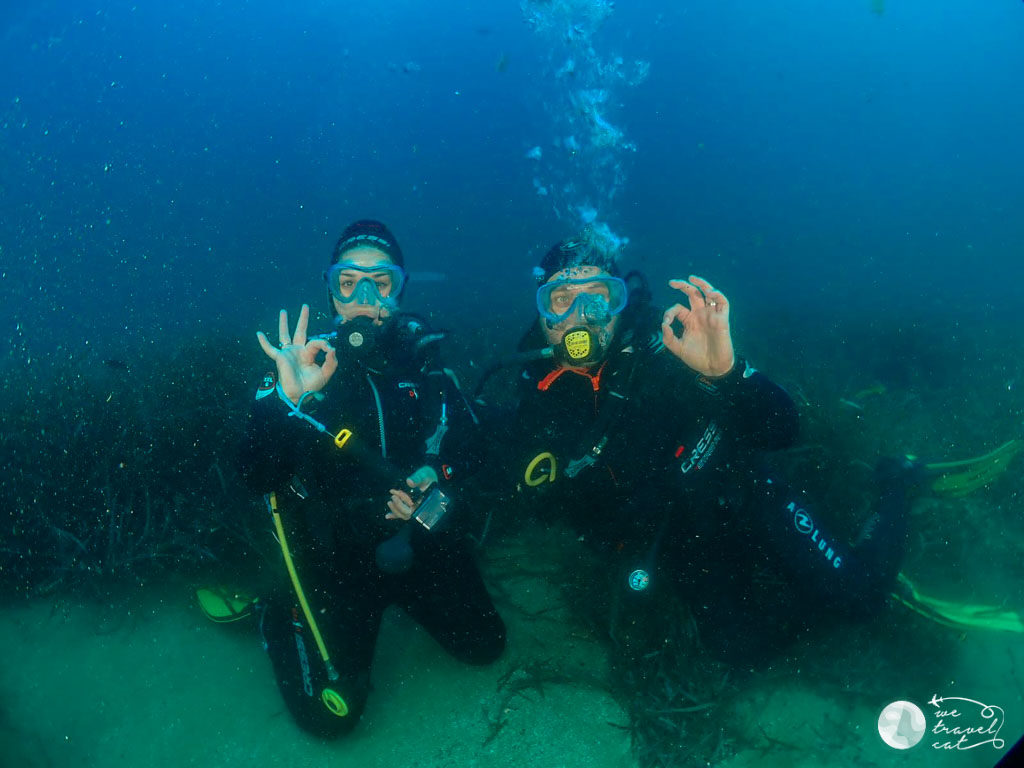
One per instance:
(596, 300)
(378, 285)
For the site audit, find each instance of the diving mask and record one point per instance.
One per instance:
(379, 284)
(596, 299)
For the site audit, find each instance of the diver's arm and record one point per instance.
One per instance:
(268, 454)
(755, 410)
(299, 367)
(705, 344)
(449, 429)
(266, 458)
(760, 412)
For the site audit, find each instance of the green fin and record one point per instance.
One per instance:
(958, 478)
(958, 615)
(223, 605)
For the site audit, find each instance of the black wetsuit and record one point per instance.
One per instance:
(662, 470)
(404, 411)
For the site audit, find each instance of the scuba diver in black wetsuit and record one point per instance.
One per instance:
(342, 422)
(648, 443)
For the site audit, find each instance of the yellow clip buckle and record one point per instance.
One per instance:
(533, 477)
(342, 437)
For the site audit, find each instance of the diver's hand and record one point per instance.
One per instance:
(297, 369)
(706, 343)
(401, 505)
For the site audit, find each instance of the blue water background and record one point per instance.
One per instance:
(169, 169)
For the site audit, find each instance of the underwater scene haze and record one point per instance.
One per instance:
(172, 175)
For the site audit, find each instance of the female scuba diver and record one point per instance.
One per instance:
(644, 431)
(356, 439)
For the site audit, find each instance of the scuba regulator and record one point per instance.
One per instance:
(359, 337)
(579, 346)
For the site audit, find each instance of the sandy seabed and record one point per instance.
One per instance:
(159, 685)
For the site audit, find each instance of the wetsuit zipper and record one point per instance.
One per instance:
(380, 417)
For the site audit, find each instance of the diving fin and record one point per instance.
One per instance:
(957, 615)
(959, 478)
(225, 605)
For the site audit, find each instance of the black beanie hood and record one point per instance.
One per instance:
(584, 250)
(368, 233)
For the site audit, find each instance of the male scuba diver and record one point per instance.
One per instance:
(356, 438)
(644, 431)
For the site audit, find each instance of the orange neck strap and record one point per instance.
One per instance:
(551, 378)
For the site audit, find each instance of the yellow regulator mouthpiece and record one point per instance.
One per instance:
(577, 345)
